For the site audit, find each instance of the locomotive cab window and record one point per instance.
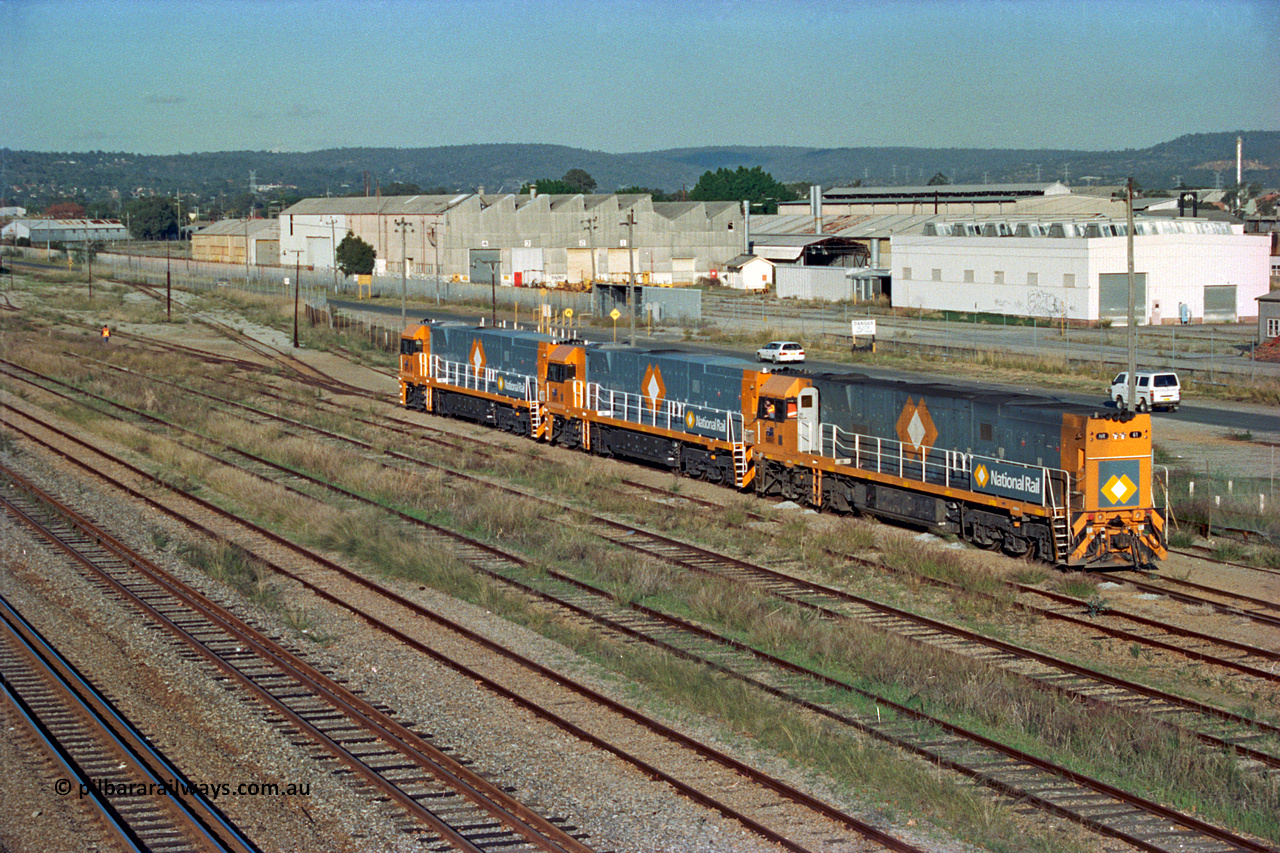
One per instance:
(410, 346)
(772, 410)
(560, 372)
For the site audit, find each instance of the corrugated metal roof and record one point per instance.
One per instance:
(860, 226)
(236, 227)
(947, 191)
(387, 206)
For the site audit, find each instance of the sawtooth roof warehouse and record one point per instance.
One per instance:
(1024, 262)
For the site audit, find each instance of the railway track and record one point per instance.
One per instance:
(1096, 796)
(708, 768)
(691, 562)
(434, 796)
(1253, 661)
(140, 798)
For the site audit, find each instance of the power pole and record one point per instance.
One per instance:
(1132, 332)
(403, 226)
(435, 241)
(297, 275)
(493, 287)
(630, 222)
(590, 224)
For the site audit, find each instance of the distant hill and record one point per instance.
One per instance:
(33, 178)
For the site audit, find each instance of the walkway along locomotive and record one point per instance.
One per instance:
(1025, 474)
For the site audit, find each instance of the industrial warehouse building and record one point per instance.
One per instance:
(65, 230)
(1030, 250)
(1186, 270)
(231, 241)
(1039, 250)
(523, 240)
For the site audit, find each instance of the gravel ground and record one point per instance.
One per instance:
(221, 739)
(217, 738)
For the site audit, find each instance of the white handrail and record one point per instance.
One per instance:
(950, 468)
(462, 375)
(667, 414)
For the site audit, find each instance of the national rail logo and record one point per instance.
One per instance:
(1119, 489)
(477, 359)
(1119, 478)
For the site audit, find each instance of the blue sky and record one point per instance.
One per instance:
(183, 76)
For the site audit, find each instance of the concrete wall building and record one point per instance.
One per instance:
(551, 240)
(231, 240)
(1187, 270)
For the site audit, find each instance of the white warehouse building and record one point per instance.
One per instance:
(1185, 270)
(552, 240)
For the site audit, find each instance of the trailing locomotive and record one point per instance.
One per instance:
(1024, 474)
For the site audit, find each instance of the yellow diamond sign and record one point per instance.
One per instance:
(1119, 489)
(980, 475)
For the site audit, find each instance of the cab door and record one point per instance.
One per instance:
(807, 438)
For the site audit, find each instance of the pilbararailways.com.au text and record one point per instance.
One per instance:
(174, 788)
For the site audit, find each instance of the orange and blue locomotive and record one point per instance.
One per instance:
(1025, 474)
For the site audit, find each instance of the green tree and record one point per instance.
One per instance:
(355, 256)
(153, 218)
(754, 185)
(574, 181)
(658, 195)
(580, 181)
(401, 188)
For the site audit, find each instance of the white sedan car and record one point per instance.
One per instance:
(780, 351)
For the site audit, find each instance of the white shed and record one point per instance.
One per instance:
(749, 272)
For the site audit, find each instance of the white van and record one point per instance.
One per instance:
(1155, 390)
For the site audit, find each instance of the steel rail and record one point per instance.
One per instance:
(202, 823)
(533, 827)
(819, 807)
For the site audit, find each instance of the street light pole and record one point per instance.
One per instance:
(403, 226)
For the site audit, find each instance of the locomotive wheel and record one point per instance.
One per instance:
(1016, 546)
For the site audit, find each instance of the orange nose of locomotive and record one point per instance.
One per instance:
(1120, 524)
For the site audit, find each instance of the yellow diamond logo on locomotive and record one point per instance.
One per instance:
(477, 359)
(915, 428)
(689, 420)
(1119, 489)
(653, 389)
(980, 475)
(502, 384)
